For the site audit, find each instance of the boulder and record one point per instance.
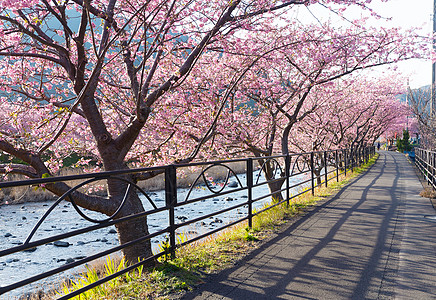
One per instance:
(61, 244)
(233, 184)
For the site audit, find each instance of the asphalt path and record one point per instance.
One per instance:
(375, 239)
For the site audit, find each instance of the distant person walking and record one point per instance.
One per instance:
(378, 146)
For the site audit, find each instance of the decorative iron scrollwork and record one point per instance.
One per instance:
(208, 184)
(80, 212)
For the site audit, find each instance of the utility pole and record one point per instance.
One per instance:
(433, 79)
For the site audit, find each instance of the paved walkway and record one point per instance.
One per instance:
(371, 241)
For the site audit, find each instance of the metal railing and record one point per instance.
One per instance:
(304, 170)
(425, 160)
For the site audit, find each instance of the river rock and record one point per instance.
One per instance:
(80, 243)
(245, 196)
(228, 199)
(112, 231)
(69, 260)
(30, 250)
(232, 184)
(61, 244)
(23, 218)
(103, 240)
(8, 234)
(12, 260)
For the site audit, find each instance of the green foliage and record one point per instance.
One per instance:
(403, 144)
(249, 236)
(165, 246)
(6, 159)
(106, 289)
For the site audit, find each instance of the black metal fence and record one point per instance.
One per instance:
(425, 160)
(295, 174)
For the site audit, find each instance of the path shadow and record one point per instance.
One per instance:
(223, 287)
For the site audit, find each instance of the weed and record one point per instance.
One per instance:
(249, 236)
(91, 275)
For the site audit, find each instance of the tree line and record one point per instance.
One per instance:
(140, 83)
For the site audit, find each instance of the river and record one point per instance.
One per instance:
(16, 221)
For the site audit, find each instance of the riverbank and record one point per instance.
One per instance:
(186, 177)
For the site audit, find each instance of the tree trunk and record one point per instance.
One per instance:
(317, 173)
(133, 229)
(274, 187)
(269, 172)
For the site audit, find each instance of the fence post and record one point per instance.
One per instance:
(325, 169)
(249, 177)
(345, 160)
(364, 155)
(351, 162)
(171, 201)
(433, 169)
(311, 172)
(288, 174)
(337, 165)
(427, 165)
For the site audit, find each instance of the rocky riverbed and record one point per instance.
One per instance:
(16, 221)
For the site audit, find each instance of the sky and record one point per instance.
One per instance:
(404, 14)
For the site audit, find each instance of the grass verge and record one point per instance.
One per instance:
(172, 278)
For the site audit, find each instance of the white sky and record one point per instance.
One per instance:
(404, 14)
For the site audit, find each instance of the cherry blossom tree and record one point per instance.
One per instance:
(281, 82)
(355, 112)
(86, 76)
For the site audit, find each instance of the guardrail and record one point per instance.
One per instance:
(425, 160)
(312, 169)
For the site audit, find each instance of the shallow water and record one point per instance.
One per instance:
(16, 221)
